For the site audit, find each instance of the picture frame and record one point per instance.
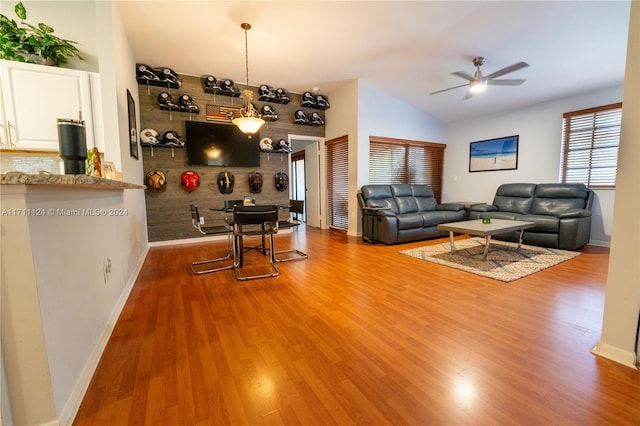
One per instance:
(108, 170)
(494, 154)
(133, 131)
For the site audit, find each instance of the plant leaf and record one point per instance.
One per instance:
(45, 28)
(21, 11)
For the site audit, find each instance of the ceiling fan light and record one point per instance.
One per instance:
(478, 86)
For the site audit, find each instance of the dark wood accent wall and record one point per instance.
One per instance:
(168, 214)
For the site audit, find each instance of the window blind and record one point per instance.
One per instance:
(338, 182)
(590, 141)
(403, 161)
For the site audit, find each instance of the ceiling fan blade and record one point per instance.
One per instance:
(506, 82)
(507, 70)
(450, 88)
(463, 75)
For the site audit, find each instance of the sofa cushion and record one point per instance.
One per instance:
(437, 217)
(401, 190)
(409, 220)
(403, 194)
(379, 196)
(407, 205)
(561, 190)
(555, 206)
(514, 197)
(496, 215)
(555, 198)
(425, 199)
(544, 223)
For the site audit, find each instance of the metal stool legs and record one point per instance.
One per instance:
(260, 221)
(195, 266)
(295, 207)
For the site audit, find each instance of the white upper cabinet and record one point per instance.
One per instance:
(34, 97)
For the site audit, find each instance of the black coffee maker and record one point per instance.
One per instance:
(72, 139)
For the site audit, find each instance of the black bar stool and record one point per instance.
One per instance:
(254, 221)
(197, 267)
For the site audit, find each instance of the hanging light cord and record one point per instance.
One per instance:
(246, 50)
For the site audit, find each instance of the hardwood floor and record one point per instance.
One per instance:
(359, 334)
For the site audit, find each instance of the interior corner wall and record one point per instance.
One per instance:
(540, 130)
(362, 110)
(342, 119)
(622, 299)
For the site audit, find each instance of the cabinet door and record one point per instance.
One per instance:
(35, 96)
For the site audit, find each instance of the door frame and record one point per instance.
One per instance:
(298, 142)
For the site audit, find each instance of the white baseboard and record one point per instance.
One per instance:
(627, 358)
(70, 409)
(599, 243)
(200, 239)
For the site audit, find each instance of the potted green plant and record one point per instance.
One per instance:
(24, 42)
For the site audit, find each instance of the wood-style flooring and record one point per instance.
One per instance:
(359, 334)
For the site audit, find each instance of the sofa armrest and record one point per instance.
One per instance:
(484, 208)
(574, 213)
(454, 207)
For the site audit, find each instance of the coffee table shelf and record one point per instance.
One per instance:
(486, 230)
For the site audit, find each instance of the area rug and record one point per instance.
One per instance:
(503, 262)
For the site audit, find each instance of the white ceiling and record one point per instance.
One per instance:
(407, 49)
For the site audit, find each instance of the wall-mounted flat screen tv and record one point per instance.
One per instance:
(212, 144)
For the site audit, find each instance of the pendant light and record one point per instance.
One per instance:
(249, 121)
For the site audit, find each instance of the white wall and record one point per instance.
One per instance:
(78, 309)
(342, 119)
(380, 114)
(365, 111)
(540, 128)
(622, 300)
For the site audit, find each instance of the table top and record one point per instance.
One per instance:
(467, 204)
(476, 227)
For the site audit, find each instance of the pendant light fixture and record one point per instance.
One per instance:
(249, 121)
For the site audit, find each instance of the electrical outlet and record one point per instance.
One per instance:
(201, 220)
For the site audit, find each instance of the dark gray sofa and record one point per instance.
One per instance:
(562, 213)
(410, 213)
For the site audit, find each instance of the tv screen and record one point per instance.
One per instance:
(210, 144)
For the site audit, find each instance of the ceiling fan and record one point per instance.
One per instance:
(478, 82)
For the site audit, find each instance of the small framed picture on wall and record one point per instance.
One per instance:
(133, 131)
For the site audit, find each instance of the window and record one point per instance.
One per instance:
(338, 182)
(404, 161)
(590, 139)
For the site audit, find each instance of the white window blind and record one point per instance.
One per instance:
(338, 182)
(403, 161)
(590, 140)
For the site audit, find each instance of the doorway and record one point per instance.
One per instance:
(305, 176)
(298, 181)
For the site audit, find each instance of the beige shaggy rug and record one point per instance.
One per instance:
(503, 262)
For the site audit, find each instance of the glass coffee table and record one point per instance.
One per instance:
(486, 230)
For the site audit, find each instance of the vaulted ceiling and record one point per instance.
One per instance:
(407, 49)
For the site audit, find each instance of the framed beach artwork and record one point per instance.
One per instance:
(494, 154)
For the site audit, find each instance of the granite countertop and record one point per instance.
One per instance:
(46, 178)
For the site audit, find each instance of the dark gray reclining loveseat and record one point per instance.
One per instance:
(562, 213)
(410, 213)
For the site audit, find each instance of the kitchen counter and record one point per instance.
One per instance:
(77, 181)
